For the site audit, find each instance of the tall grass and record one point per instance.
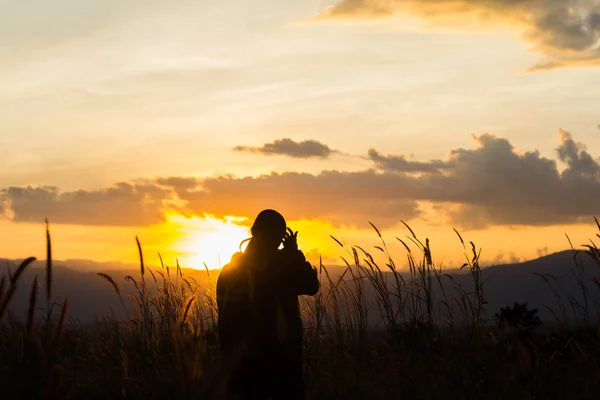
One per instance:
(376, 330)
(404, 299)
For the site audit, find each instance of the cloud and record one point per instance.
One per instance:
(490, 184)
(502, 259)
(400, 164)
(315, 256)
(290, 148)
(566, 32)
(350, 198)
(124, 204)
(581, 163)
(183, 183)
(494, 184)
(544, 251)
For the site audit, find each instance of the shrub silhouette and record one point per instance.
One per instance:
(519, 317)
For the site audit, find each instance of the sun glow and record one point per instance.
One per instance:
(210, 241)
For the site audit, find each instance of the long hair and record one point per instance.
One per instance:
(267, 222)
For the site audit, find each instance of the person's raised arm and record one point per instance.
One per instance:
(300, 276)
(307, 280)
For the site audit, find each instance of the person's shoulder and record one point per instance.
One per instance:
(233, 265)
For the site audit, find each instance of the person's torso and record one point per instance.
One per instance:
(275, 325)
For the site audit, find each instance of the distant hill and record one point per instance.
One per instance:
(522, 282)
(91, 296)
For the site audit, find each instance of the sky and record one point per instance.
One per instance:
(179, 121)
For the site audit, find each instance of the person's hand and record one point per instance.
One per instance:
(290, 240)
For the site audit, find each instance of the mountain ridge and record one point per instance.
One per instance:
(91, 296)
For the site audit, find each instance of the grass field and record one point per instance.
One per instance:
(168, 348)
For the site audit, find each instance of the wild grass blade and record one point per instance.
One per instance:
(32, 306)
(61, 320)
(13, 285)
(111, 281)
(48, 264)
(141, 255)
(2, 284)
(337, 241)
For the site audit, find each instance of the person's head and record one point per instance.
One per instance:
(268, 229)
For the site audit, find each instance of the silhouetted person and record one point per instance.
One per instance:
(260, 329)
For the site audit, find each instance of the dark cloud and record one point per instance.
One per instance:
(491, 184)
(290, 148)
(400, 164)
(566, 31)
(496, 185)
(581, 163)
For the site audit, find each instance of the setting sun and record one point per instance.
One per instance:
(210, 240)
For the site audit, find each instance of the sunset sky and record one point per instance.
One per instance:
(174, 121)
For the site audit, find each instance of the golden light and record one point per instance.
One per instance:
(209, 240)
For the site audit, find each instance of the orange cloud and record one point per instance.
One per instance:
(566, 32)
(124, 204)
(492, 184)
